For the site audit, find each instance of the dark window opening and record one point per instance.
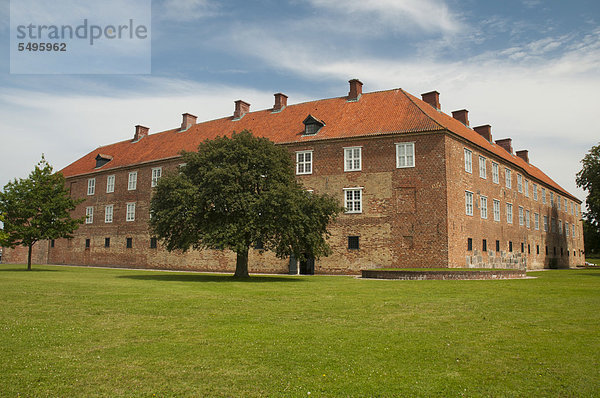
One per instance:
(528, 248)
(484, 246)
(106, 242)
(469, 244)
(537, 249)
(153, 243)
(353, 243)
(52, 243)
(561, 251)
(546, 250)
(101, 160)
(522, 247)
(87, 243)
(129, 243)
(510, 246)
(567, 253)
(312, 125)
(574, 255)
(497, 245)
(555, 250)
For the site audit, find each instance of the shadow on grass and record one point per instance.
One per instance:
(210, 278)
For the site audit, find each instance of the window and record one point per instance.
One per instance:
(353, 243)
(470, 244)
(108, 213)
(536, 221)
(497, 245)
(558, 201)
(526, 188)
(132, 182)
(130, 212)
(528, 248)
(510, 246)
(468, 161)
(482, 170)
(535, 193)
(106, 242)
(553, 223)
(572, 211)
(352, 159)
(551, 198)
(566, 228)
(311, 129)
(129, 243)
(110, 184)
(153, 243)
(484, 246)
(87, 243)
(560, 227)
(509, 214)
(522, 247)
(353, 200)
(565, 205)
(537, 249)
(573, 230)
(469, 203)
(89, 215)
(91, 186)
(483, 206)
(52, 243)
(405, 155)
(156, 173)
(495, 173)
(304, 162)
(546, 224)
(521, 216)
(544, 195)
(527, 218)
(520, 183)
(496, 210)
(507, 178)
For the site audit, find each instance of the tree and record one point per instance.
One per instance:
(37, 208)
(235, 192)
(591, 239)
(588, 178)
(3, 235)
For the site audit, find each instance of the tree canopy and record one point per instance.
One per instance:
(588, 178)
(37, 208)
(237, 191)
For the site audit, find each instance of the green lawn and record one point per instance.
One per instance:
(595, 261)
(67, 331)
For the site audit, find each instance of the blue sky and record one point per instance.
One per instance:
(529, 68)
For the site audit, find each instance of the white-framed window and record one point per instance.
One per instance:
(558, 201)
(156, 174)
(521, 216)
(572, 211)
(132, 181)
(483, 206)
(130, 215)
(560, 227)
(469, 203)
(405, 155)
(508, 178)
(527, 188)
(573, 230)
(554, 224)
(520, 183)
(304, 162)
(527, 218)
(353, 159)
(468, 160)
(89, 214)
(536, 221)
(495, 173)
(91, 186)
(552, 199)
(545, 223)
(353, 200)
(543, 195)
(509, 213)
(496, 210)
(566, 229)
(482, 168)
(535, 193)
(108, 213)
(110, 184)
(565, 205)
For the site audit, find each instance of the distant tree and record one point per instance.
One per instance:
(588, 178)
(37, 208)
(591, 239)
(237, 191)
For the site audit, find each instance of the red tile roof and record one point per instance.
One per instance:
(383, 112)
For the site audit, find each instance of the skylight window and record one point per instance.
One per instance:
(312, 125)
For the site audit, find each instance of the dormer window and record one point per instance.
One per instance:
(101, 160)
(312, 125)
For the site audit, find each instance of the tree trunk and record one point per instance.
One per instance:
(241, 265)
(29, 257)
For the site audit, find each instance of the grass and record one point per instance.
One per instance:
(595, 261)
(68, 331)
(441, 269)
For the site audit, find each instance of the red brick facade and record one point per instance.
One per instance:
(413, 216)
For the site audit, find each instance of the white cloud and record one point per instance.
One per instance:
(187, 10)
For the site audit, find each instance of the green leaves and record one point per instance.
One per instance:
(236, 191)
(37, 208)
(589, 179)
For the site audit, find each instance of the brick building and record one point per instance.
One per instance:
(421, 189)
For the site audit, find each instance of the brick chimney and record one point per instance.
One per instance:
(433, 99)
(280, 101)
(523, 155)
(241, 108)
(140, 132)
(505, 143)
(355, 90)
(188, 121)
(485, 131)
(462, 116)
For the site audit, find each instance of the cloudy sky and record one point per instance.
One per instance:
(530, 68)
